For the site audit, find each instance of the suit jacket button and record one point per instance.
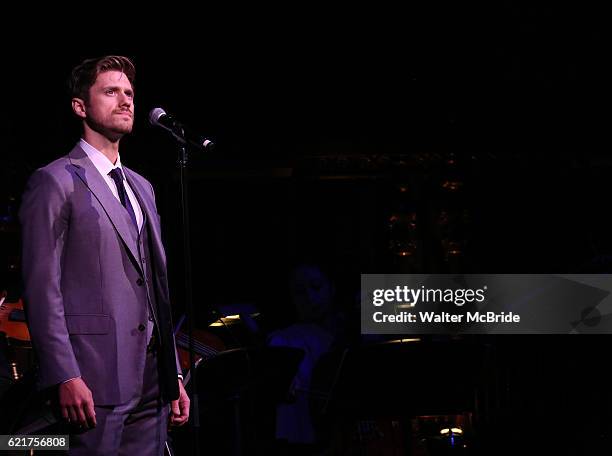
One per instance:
(141, 327)
(139, 282)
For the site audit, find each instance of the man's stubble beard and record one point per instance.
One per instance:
(112, 132)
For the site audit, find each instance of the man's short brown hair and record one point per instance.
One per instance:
(85, 74)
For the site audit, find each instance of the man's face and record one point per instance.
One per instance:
(312, 293)
(110, 108)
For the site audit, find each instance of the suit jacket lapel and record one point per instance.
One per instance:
(149, 212)
(117, 214)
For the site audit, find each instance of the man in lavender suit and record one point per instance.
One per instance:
(96, 287)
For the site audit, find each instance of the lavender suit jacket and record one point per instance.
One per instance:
(85, 291)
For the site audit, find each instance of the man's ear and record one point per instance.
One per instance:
(78, 107)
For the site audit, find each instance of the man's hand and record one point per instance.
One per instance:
(179, 409)
(76, 403)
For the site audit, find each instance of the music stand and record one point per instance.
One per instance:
(406, 379)
(374, 392)
(260, 376)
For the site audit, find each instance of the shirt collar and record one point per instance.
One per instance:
(100, 161)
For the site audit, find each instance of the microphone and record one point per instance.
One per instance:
(159, 118)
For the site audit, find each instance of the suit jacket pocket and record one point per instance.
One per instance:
(88, 323)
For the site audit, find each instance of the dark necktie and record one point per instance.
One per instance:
(117, 176)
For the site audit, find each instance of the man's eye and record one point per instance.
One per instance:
(110, 92)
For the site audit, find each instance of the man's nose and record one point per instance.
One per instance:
(125, 100)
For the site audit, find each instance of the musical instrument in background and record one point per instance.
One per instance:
(205, 345)
(12, 320)
(17, 336)
(239, 324)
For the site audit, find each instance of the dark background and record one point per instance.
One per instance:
(328, 123)
(329, 126)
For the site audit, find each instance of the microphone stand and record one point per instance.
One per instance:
(184, 185)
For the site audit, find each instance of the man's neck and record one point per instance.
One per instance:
(109, 148)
